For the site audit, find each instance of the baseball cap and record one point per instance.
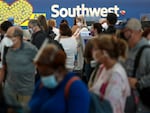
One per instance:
(133, 24)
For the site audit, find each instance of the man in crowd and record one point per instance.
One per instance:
(19, 83)
(140, 79)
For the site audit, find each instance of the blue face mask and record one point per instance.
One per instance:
(49, 81)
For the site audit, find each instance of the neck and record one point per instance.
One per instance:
(132, 43)
(64, 36)
(38, 29)
(61, 75)
(110, 63)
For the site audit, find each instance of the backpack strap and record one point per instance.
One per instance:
(68, 85)
(137, 58)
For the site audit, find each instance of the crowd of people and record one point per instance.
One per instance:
(46, 69)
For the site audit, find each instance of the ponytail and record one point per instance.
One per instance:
(120, 47)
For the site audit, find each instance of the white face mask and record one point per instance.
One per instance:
(8, 42)
(79, 24)
(105, 26)
(93, 63)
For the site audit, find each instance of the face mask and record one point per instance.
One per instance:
(8, 42)
(93, 63)
(49, 81)
(79, 24)
(105, 26)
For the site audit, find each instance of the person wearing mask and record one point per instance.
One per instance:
(49, 95)
(81, 23)
(141, 78)
(146, 34)
(3, 44)
(111, 82)
(43, 23)
(111, 21)
(96, 29)
(19, 83)
(75, 26)
(38, 35)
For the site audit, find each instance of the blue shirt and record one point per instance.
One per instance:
(46, 100)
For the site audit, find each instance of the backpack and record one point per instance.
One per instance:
(144, 93)
(51, 34)
(97, 105)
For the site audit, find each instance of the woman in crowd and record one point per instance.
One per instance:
(52, 24)
(43, 23)
(75, 26)
(96, 29)
(69, 44)
(49, 95)
(111, 80)
(81, 23)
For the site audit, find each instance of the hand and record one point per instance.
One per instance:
(132, 82)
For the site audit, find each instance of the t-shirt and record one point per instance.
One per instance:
(70, 46)
(20, 68)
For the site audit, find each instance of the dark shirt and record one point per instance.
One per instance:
(38, 38)
(110, 30)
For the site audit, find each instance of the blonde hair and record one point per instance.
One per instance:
(51, 23)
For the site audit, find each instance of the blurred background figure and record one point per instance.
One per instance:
(111, 21)
(146, 34)
(69, 44)
(38, 35)
(64, 21)
(3, 43)
(52, 24)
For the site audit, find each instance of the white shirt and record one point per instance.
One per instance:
(70, 46)
(56, 31)
(117, 89)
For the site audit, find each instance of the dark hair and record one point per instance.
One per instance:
(146, 32)
(64, 21)
(51, 57)
(43, 23)
(98, 27)
(34, 22)
(112, 18)
(65, 30)
(88, 50)
(18, 32)
(5, 25)
(74, 21)
(114, 46)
